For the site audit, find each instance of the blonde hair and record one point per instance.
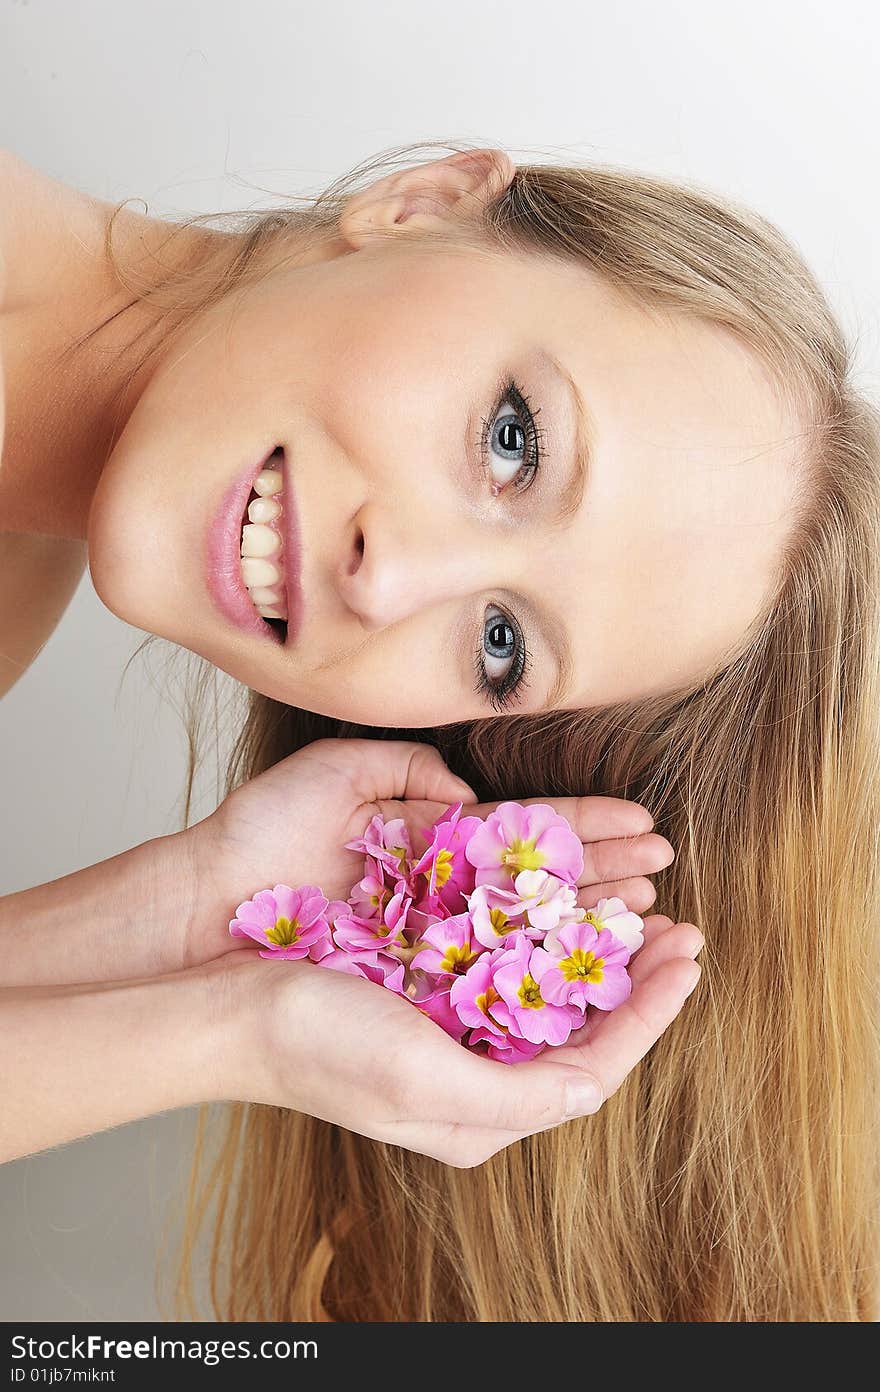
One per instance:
(734, 1176)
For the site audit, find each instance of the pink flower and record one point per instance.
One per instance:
(523, 1009)
(473, 995)
(370, 895)
(324, 945)
(447, 947)
(584, 968)
(446, 869)
(497, 917)
(377, 967)
(515, 838)
(357, 934)
(386, 842)
(287, 921)
(508, 1049)
(481, 932)
(537, 903)
(546, 900)
(616, 917)
(437, 1007)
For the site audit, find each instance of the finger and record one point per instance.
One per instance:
(393, 770)
(592, 818)
(677, 940)
(637, 894)
(625, 857)
(471, 1090)
(463, 1147)
(623, 1036)
(655, 924)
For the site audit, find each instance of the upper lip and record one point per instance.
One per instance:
(292, 559)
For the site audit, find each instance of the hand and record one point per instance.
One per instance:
(289, 824)
(340, 1048)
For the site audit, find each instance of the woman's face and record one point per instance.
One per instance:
(432, 551)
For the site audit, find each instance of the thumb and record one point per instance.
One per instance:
(428, 777)
(396, 770)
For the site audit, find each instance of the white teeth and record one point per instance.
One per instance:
(263, 594)
(261, 537)
(258, 571)
(257, 540)
(263, 510)
(268, 482)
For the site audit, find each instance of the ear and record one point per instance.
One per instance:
(430, 196)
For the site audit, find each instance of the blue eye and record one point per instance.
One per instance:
(505, 435)
(501, 433)
(502, 641)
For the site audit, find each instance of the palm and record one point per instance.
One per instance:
(289, 825)
(292, 825)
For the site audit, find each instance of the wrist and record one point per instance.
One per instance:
(245, 992)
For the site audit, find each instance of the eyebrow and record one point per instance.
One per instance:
(551, 625)
(573, 492)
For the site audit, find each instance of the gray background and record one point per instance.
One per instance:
(199, 107)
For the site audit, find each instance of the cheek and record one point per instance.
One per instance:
(410, 680)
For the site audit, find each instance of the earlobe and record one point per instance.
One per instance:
(428, 196)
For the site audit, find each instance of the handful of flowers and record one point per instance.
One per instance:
(482, 932)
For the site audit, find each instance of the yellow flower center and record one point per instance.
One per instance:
(457, 959)
(443, 868)
(530, 993)
(499, 921)
(285, 932)
(400, 853)
(583, 966)
(487, 998)
(522, 855)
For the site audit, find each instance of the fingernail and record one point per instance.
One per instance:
(582, 1097)
(697, 972)
(698, 947)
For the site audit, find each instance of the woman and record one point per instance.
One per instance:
(681, 615)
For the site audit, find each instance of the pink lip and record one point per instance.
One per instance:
(223, 558)
(292, 555)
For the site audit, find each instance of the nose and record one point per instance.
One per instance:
(395, 564)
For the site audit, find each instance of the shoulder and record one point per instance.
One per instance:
(27, 198)
(6, 200)
(47, 566)
(39, 573)
(7, 181)
(17, 180)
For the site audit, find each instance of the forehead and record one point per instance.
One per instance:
(609, 338)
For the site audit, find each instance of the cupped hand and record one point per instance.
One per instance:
(348, 1051)
(289, 824)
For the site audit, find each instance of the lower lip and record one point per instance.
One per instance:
(223, 566)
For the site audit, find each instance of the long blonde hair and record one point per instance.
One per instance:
(734, 1176)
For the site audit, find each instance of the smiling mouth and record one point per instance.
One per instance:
(262, 544)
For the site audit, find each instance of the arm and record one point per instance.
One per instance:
(79, 1059)
(128, 916)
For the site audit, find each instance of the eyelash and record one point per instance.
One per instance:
(501, 694)
(533, 433)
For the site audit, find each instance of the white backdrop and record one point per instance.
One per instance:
(204, 105)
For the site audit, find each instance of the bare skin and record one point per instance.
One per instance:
(375, 365)
(83, 463)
